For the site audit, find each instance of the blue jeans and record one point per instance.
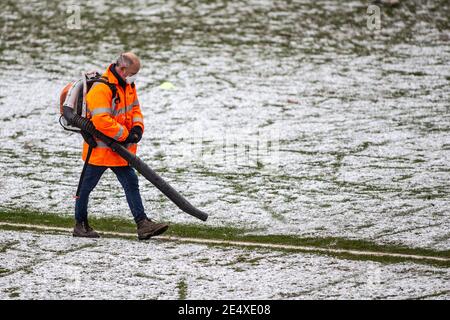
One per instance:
(127, 178)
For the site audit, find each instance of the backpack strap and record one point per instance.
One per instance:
(111, 86)
(90, 82)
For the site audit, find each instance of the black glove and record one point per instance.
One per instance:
(89, 139)
(134, 136)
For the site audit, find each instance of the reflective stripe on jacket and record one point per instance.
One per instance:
(113, 118)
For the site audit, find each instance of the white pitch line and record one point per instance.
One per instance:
(244, 243)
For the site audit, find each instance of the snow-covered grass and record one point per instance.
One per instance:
(292, 121)
(48, 266)
(227, 236)
(338, 133)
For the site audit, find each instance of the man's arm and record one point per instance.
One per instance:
(99, 105)
(137, 117)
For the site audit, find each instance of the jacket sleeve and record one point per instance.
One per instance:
(98, 101)
(137, 117)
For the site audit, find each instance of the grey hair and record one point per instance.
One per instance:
(124, 61)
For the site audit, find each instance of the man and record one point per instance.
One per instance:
(120, 118)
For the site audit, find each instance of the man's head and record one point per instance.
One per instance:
(127, 66)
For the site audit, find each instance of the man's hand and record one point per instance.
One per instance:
(134, 136)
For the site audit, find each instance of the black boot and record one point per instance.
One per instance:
(82, 229)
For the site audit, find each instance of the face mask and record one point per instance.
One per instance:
(131, 79)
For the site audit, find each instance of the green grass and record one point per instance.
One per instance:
(200, 231)
(182, 289)
(3, 270)
(13, 292)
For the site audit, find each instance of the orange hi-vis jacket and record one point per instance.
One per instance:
(113, 117)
